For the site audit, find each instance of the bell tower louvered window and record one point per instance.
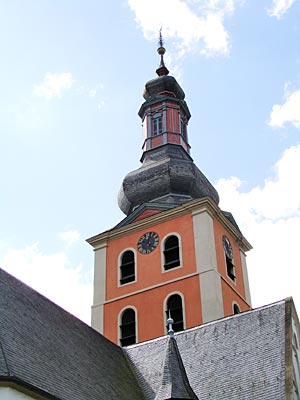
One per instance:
(171, 252)
(229, 258)
(127, 267)
(128, 327)
(236, 309)
(175, 310)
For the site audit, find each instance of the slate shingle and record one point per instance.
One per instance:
(51, 350)
(236, 358)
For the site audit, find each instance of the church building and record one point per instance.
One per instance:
(171, 314)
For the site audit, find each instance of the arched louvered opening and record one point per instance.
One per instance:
(128, 327)
(127, 267)
(171, 252)
(229, 258)
(175, 310)
(236, 309)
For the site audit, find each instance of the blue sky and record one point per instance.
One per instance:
(72, 75)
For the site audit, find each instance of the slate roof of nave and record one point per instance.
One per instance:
(46, 348)
(236, 358)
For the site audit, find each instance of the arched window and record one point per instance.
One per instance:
(157, 124)
(127, 267)
(236, 309)
(229, 258)
(175, 310)
(128, 327)
(171, 252)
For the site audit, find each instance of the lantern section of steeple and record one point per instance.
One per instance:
(164, 113)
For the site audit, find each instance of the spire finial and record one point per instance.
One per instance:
(160, 42)
(162, 69)
(170, 323)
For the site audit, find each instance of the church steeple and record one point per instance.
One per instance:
(176, 253)
(168, 175)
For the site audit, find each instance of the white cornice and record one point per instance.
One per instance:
(196, 206)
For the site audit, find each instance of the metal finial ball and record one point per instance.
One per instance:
(161, 50)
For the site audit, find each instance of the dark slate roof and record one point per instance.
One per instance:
(230, 218)
(161, 84)
(167, 174)
(236, 358)
(45, 348)
(174, 382)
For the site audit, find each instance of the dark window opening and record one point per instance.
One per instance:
(127, 328)
(157, 126)
(127, 268)
(230, 268)
(181, 127)
(229, 258)
(236, 309)
(171, 253)
(174, 309)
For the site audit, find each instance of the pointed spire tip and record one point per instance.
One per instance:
(162, 69)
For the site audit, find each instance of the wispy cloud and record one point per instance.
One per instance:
(288, 112)
(280, 7)
(69, 237)
(54, 84)
(53, 276)
(269, 217)
(195, 25)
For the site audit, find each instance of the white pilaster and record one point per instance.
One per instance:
(99, 288)
(245, 278)
(204, 239)
(206, 264)
(7, 393)
(211, 296)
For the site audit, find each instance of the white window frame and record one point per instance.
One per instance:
(127, 307)
(165, 309)
(162, 248)
(120, 263)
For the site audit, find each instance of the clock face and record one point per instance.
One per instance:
(148, 242)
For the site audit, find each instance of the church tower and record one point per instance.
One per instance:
(176, 253)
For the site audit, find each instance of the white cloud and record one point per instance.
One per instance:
(194, 25)
(92, 92)
(101, 105)
(288, 112)
(69, 237)
(54, 84)
(51, 275)
(269, 217)
(280, 7)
